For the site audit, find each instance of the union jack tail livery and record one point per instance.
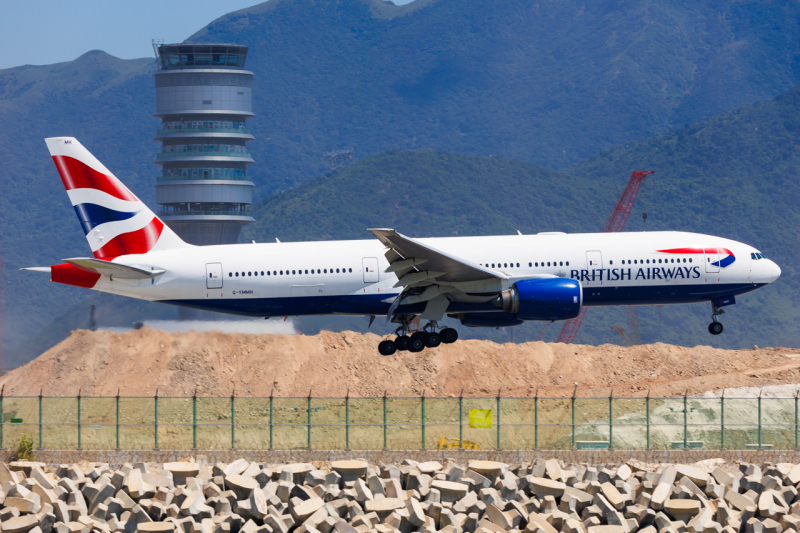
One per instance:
(114, 220)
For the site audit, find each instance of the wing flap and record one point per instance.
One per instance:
(453, 269)
(113, 270)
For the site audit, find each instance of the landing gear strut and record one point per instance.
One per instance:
(430, 336)
(715, 328)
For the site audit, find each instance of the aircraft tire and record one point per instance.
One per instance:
(715, 328)
(401, 343)
(416, 344)
(449, 335)
(387, 348)
(433, 339)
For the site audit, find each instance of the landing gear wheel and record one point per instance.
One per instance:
(715, 328)
(416, 344)
(401, 343)
(432, 339)
(418, 335)
(387, 348)
(449, 335)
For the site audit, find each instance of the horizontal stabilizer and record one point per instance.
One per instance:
(113, 270)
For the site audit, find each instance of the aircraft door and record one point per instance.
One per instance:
(594, 260)
(712, 259)
(213, 275)
(370, 265)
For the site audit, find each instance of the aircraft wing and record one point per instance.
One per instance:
(416, 263)
(114, 270)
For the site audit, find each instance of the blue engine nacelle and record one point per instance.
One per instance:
(542, 299)
(488, 320)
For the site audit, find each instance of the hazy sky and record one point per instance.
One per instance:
(40, 32)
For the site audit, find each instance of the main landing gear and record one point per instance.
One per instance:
(430, 336)
(715, 328)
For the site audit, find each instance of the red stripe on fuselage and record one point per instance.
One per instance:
(71, 275)
(77, 175)
(695, 251)
(135, 242)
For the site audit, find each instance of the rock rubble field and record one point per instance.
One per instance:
(356, 497)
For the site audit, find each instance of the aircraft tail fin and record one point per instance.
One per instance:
(114, 220)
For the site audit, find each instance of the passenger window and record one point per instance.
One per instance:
(634, 262)
(548, 263)
(350, 269)
(230, 275)
(690, 259)
(567, 263)
(337, 270)
(237, 274)
(249, 273)
(267, 272)
(326, 270)
(561, 263)
(281, 272)
(530, 264)
(262, 272)
(292, 272)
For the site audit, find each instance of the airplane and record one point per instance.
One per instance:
(495, 281)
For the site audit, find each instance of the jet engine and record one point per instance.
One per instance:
(542, 299)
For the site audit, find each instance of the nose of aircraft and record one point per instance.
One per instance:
(775, 272)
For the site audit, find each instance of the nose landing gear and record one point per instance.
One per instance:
(715, 328)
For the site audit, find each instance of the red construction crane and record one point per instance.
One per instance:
(616, 222)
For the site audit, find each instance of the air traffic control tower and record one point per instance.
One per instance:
(203, 98)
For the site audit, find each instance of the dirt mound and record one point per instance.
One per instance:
(328, 364)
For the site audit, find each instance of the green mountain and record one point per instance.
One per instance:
(549, 83)
(546, 82)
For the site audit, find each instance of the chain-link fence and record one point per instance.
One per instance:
(140, 423)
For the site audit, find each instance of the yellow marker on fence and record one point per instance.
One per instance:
(480, 418)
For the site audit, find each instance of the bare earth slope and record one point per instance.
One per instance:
(212, 363)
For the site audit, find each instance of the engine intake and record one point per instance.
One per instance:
(542, 299)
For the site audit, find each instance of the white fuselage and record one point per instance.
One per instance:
(348, 277)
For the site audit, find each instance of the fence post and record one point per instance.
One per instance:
(118, 419)
(759, 418)
(347, 421)
(611, 420)
(796, 433)
(422, 413)
(194, 420)
(461, 419)
(384, 421)
(79, 419)
(270, 419)
(536, 420)
(686, 419)
(3, 420)
(308, 407)
(722, 420)
(498, 419)
(40, 419)
(647, 417)
(572, 409)
(155, 418)
(233, 419)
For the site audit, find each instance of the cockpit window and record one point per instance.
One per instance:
(762, 256)
(753, 256)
